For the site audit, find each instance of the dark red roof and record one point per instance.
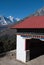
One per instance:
(31, 22)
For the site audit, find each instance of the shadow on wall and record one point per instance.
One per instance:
(36, 48)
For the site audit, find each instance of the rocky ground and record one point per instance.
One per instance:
(9, 59)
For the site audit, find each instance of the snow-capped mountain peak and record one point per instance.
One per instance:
(2, 21)
(39, 12)
(7, 20)
(17, 19)
(11, 18)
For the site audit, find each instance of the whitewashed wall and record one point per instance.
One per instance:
(20, 51)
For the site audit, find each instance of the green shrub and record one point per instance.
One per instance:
(7, 43)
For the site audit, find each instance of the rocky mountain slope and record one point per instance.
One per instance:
(39, 12)
(8, 20)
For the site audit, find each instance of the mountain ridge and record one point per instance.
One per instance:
(7, 20)
(39, 12)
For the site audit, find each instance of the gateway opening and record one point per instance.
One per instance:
(35, 46)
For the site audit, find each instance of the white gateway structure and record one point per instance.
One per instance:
(29, 38)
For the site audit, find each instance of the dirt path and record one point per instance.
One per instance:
(10, 60)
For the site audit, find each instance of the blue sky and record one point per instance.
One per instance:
(19, 8)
